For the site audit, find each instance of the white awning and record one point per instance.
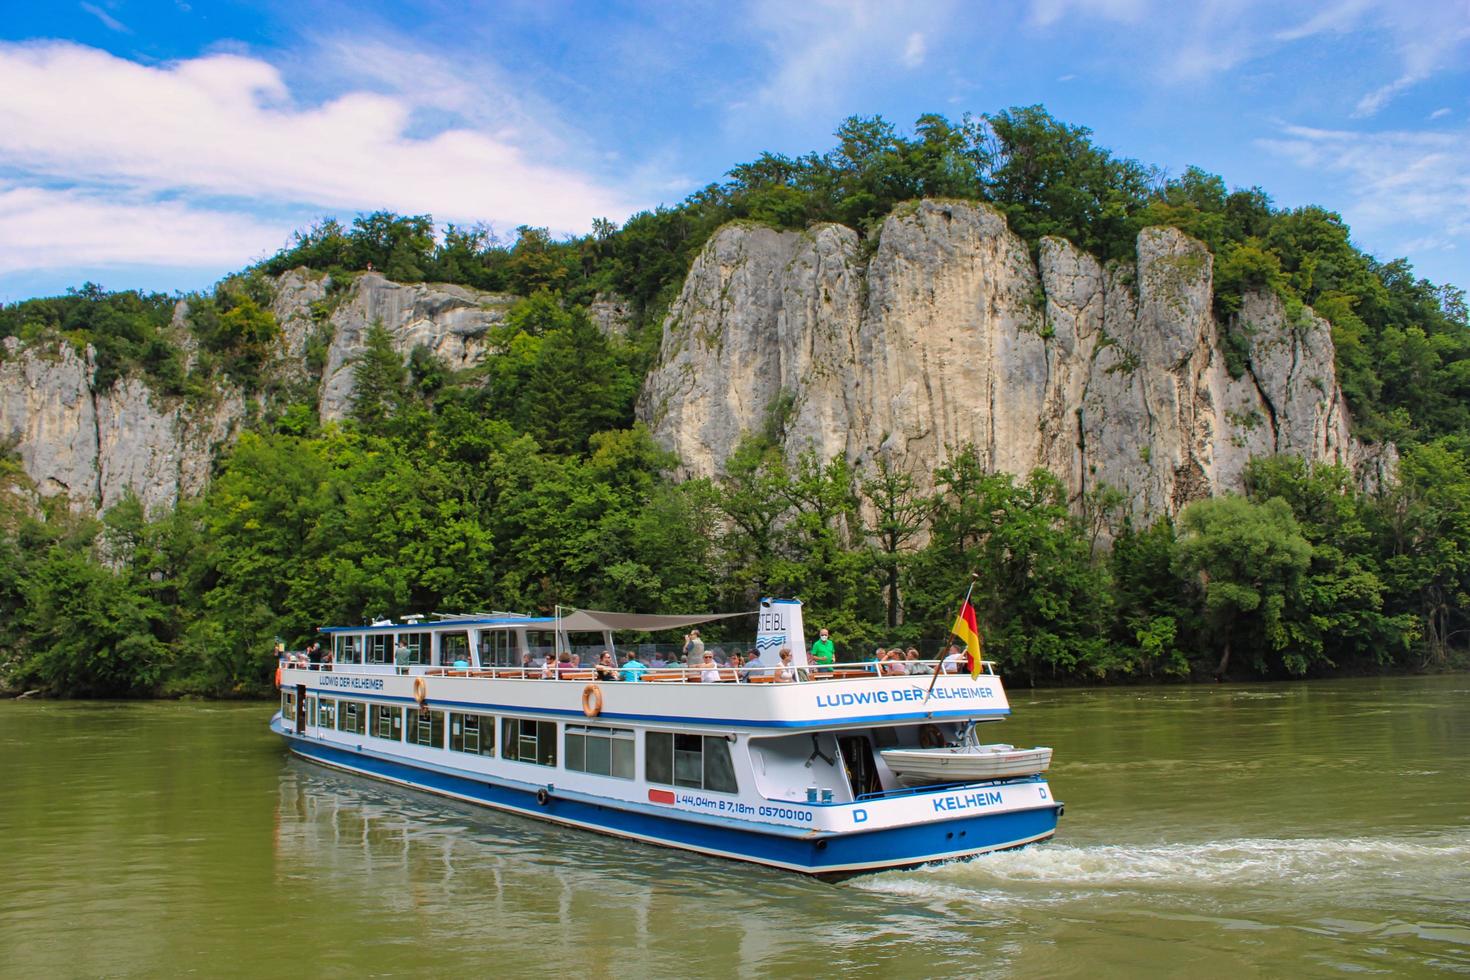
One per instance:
(593, 620)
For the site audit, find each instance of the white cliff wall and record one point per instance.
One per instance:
(950, 335)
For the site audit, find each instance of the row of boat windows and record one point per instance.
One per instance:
(417, 648)
(669, 758)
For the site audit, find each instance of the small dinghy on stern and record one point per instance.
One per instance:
(966, 762)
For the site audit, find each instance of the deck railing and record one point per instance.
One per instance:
(761, 674)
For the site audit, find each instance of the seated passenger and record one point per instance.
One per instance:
(709, 672)
(914, 664)
(894, 664)
(564, 664)
(876, 664)
(606, 668)
(786, 672)
(753, 667)
(633, 669)
(954, 661)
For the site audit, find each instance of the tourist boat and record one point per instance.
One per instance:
(790, 769)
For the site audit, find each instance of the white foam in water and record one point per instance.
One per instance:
(1199, 866)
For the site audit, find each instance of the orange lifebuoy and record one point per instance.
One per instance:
(591, 700)
(420, 691)
(930, 737)
(278, 677)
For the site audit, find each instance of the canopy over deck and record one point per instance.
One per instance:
(595, 620)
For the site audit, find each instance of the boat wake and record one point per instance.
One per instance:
(1060, 872)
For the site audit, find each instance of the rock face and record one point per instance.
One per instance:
(950, 335)
(96, 447)
(451, 321)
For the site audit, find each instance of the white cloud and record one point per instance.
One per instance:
(1440, 113)
(1044, 13)
(228, 126)
(52, 229)
(914, 50)
(826, 47)
(1407, 188)
(108, 21)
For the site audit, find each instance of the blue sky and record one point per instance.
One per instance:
(160, 144)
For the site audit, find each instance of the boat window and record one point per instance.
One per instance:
(349, 649)
(454, 647)
(415, 647)
(524, 740)
(352, 717)
(696, 761)
(600, 751)
(426, 728)
(498, 649)
(311, 712)
(386, 721)
(288, 706)
(326, 713)
(474, 734)
(378, 649)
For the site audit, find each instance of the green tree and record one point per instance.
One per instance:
(1249, 561)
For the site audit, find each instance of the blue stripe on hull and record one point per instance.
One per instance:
(831, 855)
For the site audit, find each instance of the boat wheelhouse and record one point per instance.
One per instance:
(806, 769)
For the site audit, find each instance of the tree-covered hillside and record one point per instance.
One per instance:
(525, 482)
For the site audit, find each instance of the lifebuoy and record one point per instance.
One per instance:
(420, 691)
(278, 677)
(543, 797)
(591, 700)
(930, 737)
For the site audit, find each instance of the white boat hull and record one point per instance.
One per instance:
(966, 763)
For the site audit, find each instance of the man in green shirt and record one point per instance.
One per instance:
(822, 653)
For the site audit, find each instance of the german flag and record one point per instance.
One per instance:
(965, 629)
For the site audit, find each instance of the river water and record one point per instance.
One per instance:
(1307, 829)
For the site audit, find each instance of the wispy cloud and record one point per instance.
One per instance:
(914, 50)
(1408, 188)
(108, 21)
(821, 49)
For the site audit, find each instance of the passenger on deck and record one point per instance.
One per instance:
(607, 668)
(954, 661)
(786, 672)
(709, 672)
(548, 667)
(876, 664)
(753, 666)
(314, 652)
(895, 664)
(564, 664)
(915, 665)
(633, 669)
(693, 649)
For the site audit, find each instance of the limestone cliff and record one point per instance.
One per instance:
(949, 334)
(95, 446)
(946, 333)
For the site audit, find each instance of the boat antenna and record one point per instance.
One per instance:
(974, 577)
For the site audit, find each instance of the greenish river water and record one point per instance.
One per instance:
(1290, 830)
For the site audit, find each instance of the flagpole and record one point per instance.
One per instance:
(974, 577)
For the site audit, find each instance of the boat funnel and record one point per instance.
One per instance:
(779, 625)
